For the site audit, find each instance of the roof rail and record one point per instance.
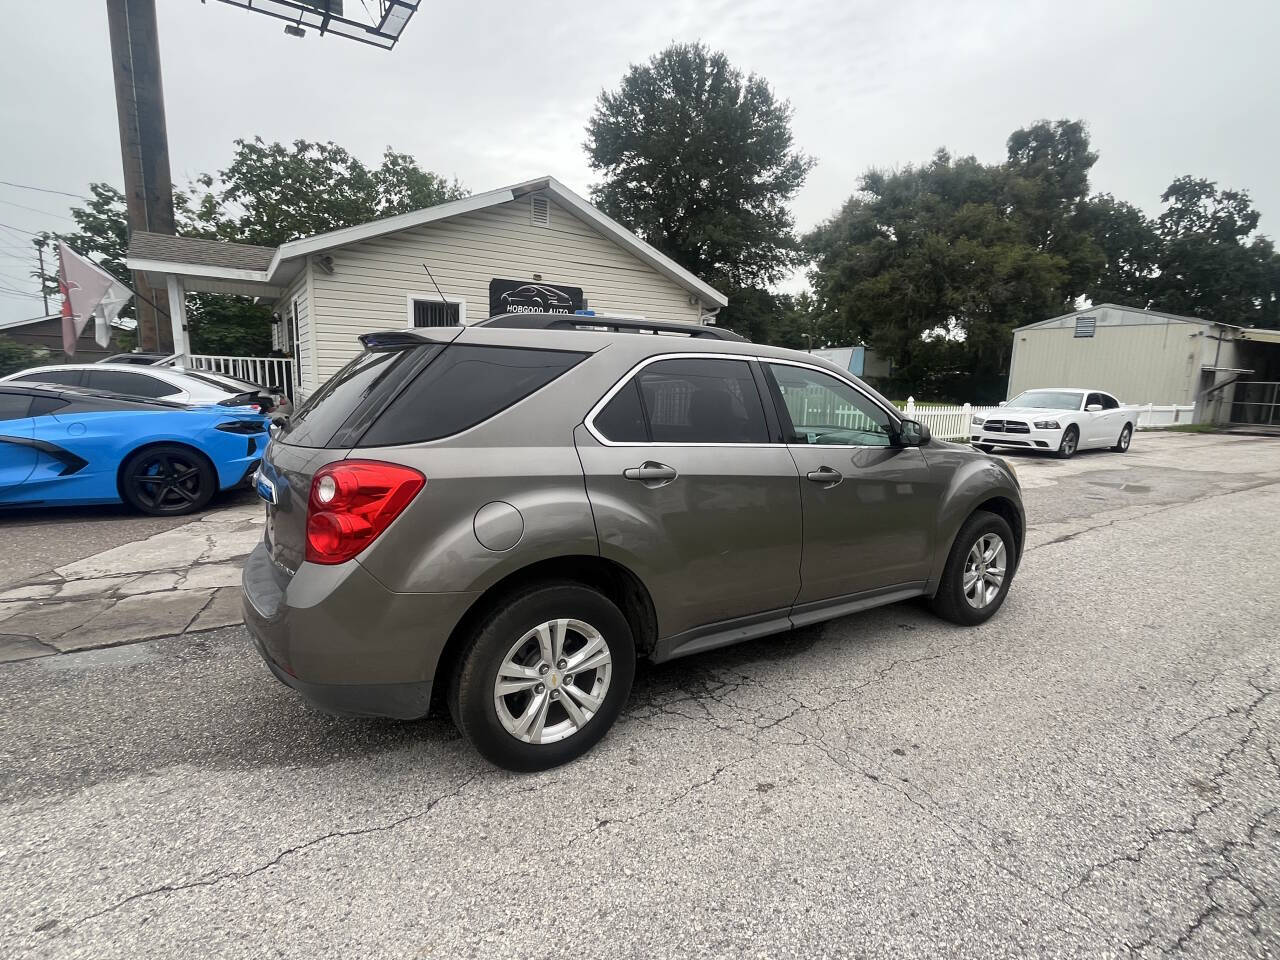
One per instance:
(598, 321)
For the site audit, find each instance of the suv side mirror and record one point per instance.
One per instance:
(912, 433)
(1094, 407)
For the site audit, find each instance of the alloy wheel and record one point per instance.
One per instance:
(166, 482)
(552, 681)
(984, 570)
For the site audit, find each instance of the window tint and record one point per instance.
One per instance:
(329, 407)
(826, 410)
(130, 384)
(41, 406)
(1109, 402)
(1093, 398)
(464, 386)
(622, 419)
(14, 406)
(68, 377)
(702, 401)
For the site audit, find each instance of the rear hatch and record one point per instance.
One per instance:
(329, 424)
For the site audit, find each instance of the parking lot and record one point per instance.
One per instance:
(1093, 773)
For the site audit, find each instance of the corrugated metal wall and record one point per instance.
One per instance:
(1139, 357)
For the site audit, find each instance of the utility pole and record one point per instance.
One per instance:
(144, 146)
(40, 242)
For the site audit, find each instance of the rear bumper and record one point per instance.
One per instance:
(345, 642)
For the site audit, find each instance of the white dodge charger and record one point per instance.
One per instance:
(1062, 420)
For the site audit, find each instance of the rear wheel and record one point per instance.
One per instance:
(543, 677)
(168, 480)
(979, 570)
(1126, 435)
(1070, 442)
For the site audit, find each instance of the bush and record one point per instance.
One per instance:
(16, 356)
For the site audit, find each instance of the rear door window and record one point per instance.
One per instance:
(464, 386)
(696, 400)
(70, 378)
(130, 384)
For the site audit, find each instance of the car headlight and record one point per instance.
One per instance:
(979, 421)
(1047, 425)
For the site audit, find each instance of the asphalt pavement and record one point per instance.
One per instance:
(1093, 773)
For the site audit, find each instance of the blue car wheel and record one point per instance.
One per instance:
(167, 480)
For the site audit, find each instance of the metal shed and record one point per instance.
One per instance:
(1145, 356)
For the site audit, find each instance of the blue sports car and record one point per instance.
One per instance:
(71, 445)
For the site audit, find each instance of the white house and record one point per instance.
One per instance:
(535, 245)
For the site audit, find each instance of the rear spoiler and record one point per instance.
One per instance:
(401, 339)
(250, 398)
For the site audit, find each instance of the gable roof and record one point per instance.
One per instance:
(1115, 306)
(149, 251)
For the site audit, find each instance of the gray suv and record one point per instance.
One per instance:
(512, 512)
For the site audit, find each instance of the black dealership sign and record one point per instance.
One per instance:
(532, 296)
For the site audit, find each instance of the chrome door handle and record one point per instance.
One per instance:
(651, 473)
(825, 475)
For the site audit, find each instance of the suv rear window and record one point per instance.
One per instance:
(464, 386)
(324, 414)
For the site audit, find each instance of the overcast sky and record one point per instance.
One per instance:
(498, 91)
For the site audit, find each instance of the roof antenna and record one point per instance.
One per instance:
(434, 284)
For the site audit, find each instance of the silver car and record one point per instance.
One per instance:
(512, 513)
(158, 383)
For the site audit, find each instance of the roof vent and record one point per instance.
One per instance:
(539, 211)
(1085, 326)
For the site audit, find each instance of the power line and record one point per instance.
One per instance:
(9, 226)
(61, 193)
(44, 213)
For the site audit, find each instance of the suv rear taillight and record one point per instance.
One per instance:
(352, 502)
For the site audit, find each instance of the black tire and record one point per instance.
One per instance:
(950, 602)
(472, 700)
(185, 480)
(1069, 444)
(984, 447)
(1126, 436)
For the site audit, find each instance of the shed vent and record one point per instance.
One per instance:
(1085, 326)
(539, 211)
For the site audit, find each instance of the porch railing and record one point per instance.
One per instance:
(264, 371)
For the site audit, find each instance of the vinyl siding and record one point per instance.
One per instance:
(372, 280)
(296, 293)
(1138, 357)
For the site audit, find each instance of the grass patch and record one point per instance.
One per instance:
(1184, 428)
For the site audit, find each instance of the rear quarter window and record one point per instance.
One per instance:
(464, 386)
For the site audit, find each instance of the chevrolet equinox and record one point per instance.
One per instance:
(518, 509)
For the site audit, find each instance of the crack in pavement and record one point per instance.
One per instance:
(1165, 508)
(238, 875)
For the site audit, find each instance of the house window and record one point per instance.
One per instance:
(1085, 326)
(434, 312)
(539, 211)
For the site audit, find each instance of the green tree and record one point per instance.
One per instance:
(1213, 263)
(1131, 253)
(935, 265)
(268, 194)
(699, 160)
(16, 356)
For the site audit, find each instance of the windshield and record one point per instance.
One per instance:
(1048, 400)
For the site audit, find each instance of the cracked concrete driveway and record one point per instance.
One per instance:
(1094, 773)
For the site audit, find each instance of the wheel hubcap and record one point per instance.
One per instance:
(167, 482)
(1069, 443)
(552, 681)
(984, 570)
(1124, 438)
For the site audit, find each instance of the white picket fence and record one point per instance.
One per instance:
(953, 422)
(264, 371)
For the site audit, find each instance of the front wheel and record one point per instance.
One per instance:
(979, 570)
(168, 481)
(1070, 442)
(543, 677)
(1126, 435)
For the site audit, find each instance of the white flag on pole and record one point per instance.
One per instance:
(90, 292)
